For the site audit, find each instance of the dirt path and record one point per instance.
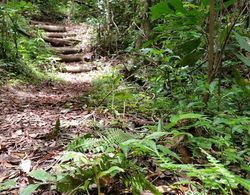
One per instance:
(29, 112)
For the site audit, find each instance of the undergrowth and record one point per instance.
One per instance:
(198, 153)
(23, 52)
(195, 129)
(96, 164)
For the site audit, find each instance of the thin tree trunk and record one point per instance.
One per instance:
(145, 26)
(211, 59)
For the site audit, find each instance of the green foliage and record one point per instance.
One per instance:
(244, 44)
(41, 175)
(7, 185)
(167, 7)
(53, 9)
(106, 159)
(113, 155)
(21, 54)
(108, 138)
(29, 189)
(166, 83)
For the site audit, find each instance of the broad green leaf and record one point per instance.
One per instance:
(159, 10)
(238, 129)
(126, 146)
(160, 125)
(244, 182)
(68, 183)
(111, 171)
(42, 175)
(244, 59)
(176, 133)
(167, 151)
(212, 86)
(191, 58)
(77, 157)
(29, 189)
(7, 184)
(178, 6)
(243, 41)
(189, 45)
(130, 142)
(150, 145)
(156, 135)
(176, 118)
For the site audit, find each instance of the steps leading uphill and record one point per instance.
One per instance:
(67, 45)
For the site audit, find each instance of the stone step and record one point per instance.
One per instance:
(76, 69)
(51, 28)
(67, 50)
(57, 42)
(34, 22)
(60, 35)
(71, 58)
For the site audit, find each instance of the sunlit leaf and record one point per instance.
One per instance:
(244, 59)
(243, 41)
(111, 171)
(29, 189)
(160, 9)
(212, 86)
(243, 182)
(7, 184)
(160, 125)
(42, 175)
(176, 118)
(156, 135)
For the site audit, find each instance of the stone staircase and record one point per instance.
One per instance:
(66, 45)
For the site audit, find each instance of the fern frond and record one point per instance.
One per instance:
(108, 138)
(114, 137)
(83, 145)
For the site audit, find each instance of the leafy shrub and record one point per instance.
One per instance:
(90, 164)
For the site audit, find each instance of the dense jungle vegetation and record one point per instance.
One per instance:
(177, 99)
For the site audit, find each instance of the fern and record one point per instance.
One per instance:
(224, 176)
(113, 137)
(109, 138)
(83, 145)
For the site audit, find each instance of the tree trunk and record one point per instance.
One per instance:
(211, 56)
(146, 25)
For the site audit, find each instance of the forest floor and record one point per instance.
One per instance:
(29, 113)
